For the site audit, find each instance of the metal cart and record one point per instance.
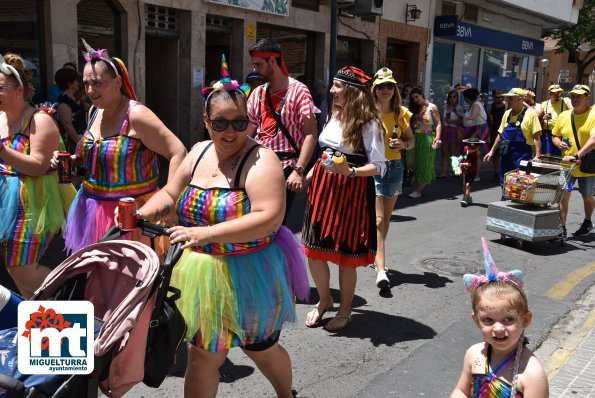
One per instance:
(534, 191)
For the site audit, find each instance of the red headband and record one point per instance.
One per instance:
(268, 54)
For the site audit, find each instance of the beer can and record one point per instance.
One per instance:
(127, 214)
(64, 166)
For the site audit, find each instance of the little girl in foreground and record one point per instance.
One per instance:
(501, 366)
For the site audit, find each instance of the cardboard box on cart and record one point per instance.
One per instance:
(523, 221)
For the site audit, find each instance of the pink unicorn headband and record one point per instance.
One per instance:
(473, 281)
(101, 54)
(225, 83)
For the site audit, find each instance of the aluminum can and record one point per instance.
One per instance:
(64, 167)
(127, 214)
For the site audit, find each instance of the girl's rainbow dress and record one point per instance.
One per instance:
(235, 294)
(32, 207)
(115, 167)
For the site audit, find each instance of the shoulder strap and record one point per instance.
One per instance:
(93, 111)
(126, 120)
(200, 157)
(578, 144)
(236, 180)
(277, 117)
(25, 127)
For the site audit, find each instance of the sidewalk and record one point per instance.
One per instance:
(569, 354)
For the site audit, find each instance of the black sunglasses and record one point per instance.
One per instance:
(385, 86)
(238, 125)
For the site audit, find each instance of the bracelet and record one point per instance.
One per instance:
(208, 235)
(406, 145)
(353, 172)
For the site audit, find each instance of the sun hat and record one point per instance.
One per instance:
(555, 88)
(581, 89)
(516, 92)
(384, 75)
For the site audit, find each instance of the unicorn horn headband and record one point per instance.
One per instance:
(102, 54)
(473, 281)
(225, 83)
(9, 70)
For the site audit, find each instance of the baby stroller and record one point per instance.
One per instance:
(138, 326)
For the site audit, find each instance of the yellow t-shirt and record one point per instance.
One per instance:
(585, 128)
(530, 124)
(388, 120)
(554, 110)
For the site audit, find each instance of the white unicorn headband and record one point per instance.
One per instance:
(473, 281)
(9, 70)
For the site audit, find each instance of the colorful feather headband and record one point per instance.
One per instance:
(101, 54)
(225, 83)
(473, 281)
(9, 70)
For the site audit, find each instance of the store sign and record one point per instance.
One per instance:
(449, 27)
(278, 7)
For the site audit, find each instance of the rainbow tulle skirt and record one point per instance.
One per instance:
(230, 301)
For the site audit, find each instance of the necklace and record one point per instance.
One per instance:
(216, 171)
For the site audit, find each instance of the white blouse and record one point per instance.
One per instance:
(332, 136)
(480, 119)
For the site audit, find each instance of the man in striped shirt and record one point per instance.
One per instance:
(282, 115)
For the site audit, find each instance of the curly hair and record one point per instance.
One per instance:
(359, 108)
(17, 62)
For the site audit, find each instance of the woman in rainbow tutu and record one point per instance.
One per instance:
(31, 203)
(240, 269)
(118, 152)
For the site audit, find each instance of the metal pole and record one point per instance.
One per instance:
(542, 81)
(333, 47)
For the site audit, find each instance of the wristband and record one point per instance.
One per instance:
(353, 172)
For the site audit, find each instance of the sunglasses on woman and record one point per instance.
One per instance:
(238, 125)
(385, 86)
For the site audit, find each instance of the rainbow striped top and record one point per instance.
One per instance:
(118, 165)
(198, 206)
(20, 143)
(489, 385)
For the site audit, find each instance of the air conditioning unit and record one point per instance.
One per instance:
(366, 7)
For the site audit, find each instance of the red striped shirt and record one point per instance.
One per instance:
(295, 102)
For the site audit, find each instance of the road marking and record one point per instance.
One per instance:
(565, 286)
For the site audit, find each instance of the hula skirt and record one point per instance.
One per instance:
(33, 210)
(424, 158)
(340, 220)
(90, 218)
(240, 299)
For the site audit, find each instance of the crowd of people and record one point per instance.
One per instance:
(228, 197)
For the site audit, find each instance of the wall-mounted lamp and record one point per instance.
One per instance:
(412, 13)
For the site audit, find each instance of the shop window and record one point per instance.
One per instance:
(20, 33)
(99, 23)
(349, 52)
(442, 67)
(306, 4)
(470, 65)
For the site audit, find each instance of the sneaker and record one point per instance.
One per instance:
(476, 179)
(563, 234)
(382, 281)
(585, 228)
(464, 203)
(415, 195)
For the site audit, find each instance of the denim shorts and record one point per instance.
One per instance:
(391, 183)
(585, 184)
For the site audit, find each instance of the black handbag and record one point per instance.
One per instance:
(407, 172)
(587, 164)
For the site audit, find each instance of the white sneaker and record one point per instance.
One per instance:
(382, 281)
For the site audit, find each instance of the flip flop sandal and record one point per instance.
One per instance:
(317, 315)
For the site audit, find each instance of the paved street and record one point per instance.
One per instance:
(411, 342)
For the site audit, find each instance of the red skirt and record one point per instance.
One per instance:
(340, 220)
